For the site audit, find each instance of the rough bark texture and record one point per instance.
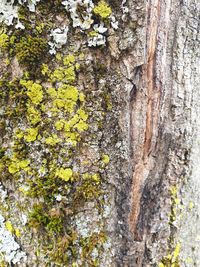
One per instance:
(100, 137)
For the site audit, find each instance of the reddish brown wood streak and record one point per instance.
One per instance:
(143, 164)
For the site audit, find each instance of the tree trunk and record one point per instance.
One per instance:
(100, 133)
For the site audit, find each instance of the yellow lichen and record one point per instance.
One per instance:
(102, 9)
(13, 168)
(17, 233)
(52, 92)
(34, 91)
(19, 133)
(72, 138)
(105, 159)
(52, 140)
(59, 125)
(4, 40)
(68, 92)
(191, 205)
(44, 69)
(18, 165)
(68, 60)
(64, 74)
(81, 97)
(81, 126)
(9, 226)
(31, 134)
(82, 114)
(33, 115)
(64, 174)
(172, 260)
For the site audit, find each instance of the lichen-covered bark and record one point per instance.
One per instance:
(99, 133)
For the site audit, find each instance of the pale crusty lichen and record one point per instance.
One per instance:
(9, 248)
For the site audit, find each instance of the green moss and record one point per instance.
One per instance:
(30, 50)
(102, 9)
(92, 177)
(94, 241)
(108, 101)
(37, 216)
(89, 188)
(40, 27)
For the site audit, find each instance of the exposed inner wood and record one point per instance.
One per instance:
(144, 162)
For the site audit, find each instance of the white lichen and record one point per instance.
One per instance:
(114, 23)
(9, 11)
(98, 38)
(59, 36)
(58, 197)
(30, 3)
(3, 193)
(24, 219)
(80, 19)
(124, 9)
(9, 248)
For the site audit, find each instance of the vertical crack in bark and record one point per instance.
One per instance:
(143, 165)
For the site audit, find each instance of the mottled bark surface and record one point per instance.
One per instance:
(100, 147)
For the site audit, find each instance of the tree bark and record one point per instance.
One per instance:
(100, 148)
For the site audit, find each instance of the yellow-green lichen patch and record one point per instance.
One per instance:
(175, 202)
(105, 159)
(68, 92)
(69, 60)
(33, 115)
(102, 9)
(52, 140)
(31, 134)
(172, 260)
(64, 174)
(9, 226)
(17, 165)
(59, 125)
(4, 41)
(44, 69)
(34, 91)
(64, 74)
